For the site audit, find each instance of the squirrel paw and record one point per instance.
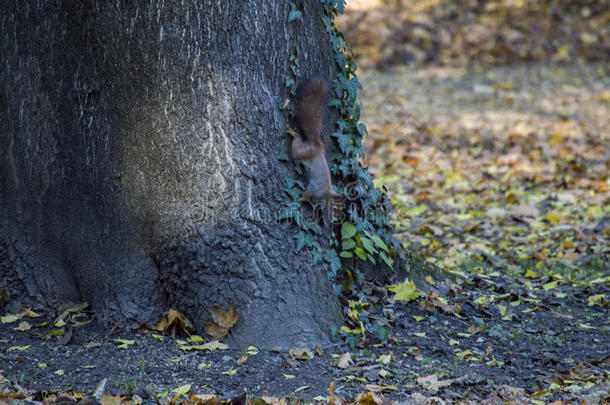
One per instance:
(291, 131)
(306, 196)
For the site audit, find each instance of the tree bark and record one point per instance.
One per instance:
(139, 163)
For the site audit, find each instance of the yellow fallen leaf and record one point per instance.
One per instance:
(195, 339)
(223, 320)
(182, 390)
(20, 348)
(9, 318)
(300, 353)
(384, 373)
(288, 376)
(124, 343)
(107, 399)
(550, 285)
(385, 359)
(368, 398)
(29, 313)
(595, 299)
(405, 291)
(380, 387)
(230, 372)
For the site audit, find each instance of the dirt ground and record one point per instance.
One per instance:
(494, 327)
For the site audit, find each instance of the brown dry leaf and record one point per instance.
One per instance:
(274, 400)
(223, 321)
(507, 394)
(432, 383)
(243, 358)
(77, 307)
(23, 326)
(176, 321)
(345, 360)
(368, 398)
(332, 398)
(203, 399)
(107, 399)
(488, 351)
(300, 353)
(319, 351)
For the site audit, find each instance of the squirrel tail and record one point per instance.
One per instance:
(312, 96)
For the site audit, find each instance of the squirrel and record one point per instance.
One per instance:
(307, 147)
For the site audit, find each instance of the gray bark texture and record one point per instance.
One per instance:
(139, 170)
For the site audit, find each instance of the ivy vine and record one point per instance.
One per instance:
(364, 232)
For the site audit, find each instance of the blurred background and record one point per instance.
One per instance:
(488, 123)
(387, 33)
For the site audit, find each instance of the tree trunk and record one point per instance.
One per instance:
(139, 163)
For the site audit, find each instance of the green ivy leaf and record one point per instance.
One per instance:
(347, 230)
(294, 13)
(348, 244)
(283, 156)
(288, 81)
(386, 259)
(360, 253)
(378, 241)
(383, 333)
(371, 258)
(346, 254)
(344, 140)
(368, 245)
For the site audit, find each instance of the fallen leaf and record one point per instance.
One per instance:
(223, 320)
(124, 343)
(432, 382)
(405, 291)
(345, 360)
(182, 390)
(23, 326)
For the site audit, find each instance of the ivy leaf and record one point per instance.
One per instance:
(333, 261)
(368, 245)
(300, 238)
(346, 254)
(348, 230)
(360, 253)
(386, 259)
(340, 5)
(383, 333)
(317, 256)
(371, 258)
(344, 140)
(378, 241)
(348, 244)
(294, 13)
(288, 81)
(312, 226)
